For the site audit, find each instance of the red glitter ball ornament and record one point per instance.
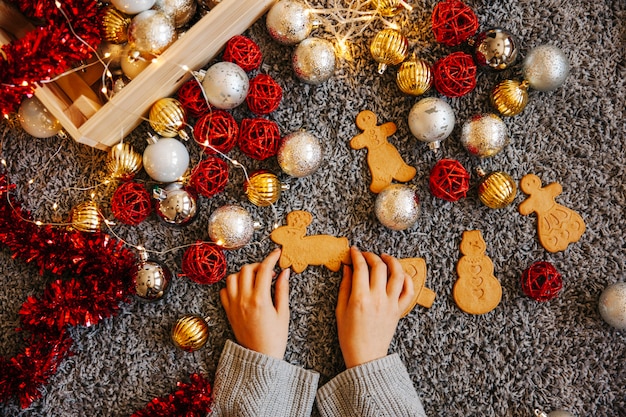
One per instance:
(131, 203)
(449, 180)
(216, 131)
(259, 138)
(541, 281)
(204, 263)
(455, 75)
(192, 99)
(244, 52)
(210, 176)
(264, 95)
(453, 22)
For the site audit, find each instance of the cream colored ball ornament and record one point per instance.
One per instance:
(226, 85)
(36, 120)
(150, 33)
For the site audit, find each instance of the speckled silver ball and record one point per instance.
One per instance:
(612, 305)
(431, 120)
(397, 207)
(484, 135)
(231, 227)
(180, 10)
(546, 68)
(226, 85)
(300, 154)
(151, 32)
(314, 60)
(289, 22)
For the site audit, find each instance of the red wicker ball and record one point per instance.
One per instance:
(210, 176)
(204, 263)
(449, 180)
(453, 22)
(541, 281)
(455, 74)
(244, 52)
(192, 99)
(264, 94)
(216, 131)
(259, 138)
(131, 203)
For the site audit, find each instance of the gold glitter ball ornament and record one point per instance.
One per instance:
(190, 332)
(114, 25)
(263, 188)
(85, 217)
(510, 97)
(389, 47)
(497, 189)
(484, 135)
(124, 162)
(389, 8)
(150, 33)
(168, 118)
(414, 76)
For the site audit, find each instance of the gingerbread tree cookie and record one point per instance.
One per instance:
(383, 158)
(416, 268)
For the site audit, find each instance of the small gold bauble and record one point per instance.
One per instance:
(114, 25)
(414, 76)
(389, 47)
(497, 189)
(263, 188)
(388, 8)
(85, 217)
(168, 118)
(190, 332)
(510, 97)
(124, 162)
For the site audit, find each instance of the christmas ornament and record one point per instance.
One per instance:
(150, 33)
(86, 217)
(495, 48)
(231, 227)
(225, 85)
(190, 332)
(192, 399)
(389, 47)
(112, 54)
(151, 279)
(389, 8)
(123, 162)
(114, 25)
(131, 203)
(216, 132)
(176, 206)
(300, 154)
(165, 159)
(497, 189)
(541, 281)
(208, 4)
(113, 85)
(313, 61)
(431, 120)
(289, 22)
(453, 22)
(510, 97)
(204, 263)
(546, 68)
(132, 65)
(36, 120)
(259, 138)
(132, 6)
(556, 413)
(182, 11)
(168, 118)
(397, 207)
(414, 76)
(484, 135)
(612, 305)
(263, 188)
(455, 74)
(209, 177)
(244, 52)
(192, 98)
(449, 180)
(264, 95)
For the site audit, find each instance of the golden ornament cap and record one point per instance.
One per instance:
(85, 217)
(389, 47)
(190, 332)
(168, 118)
(263, 188)
(388, 8)
(414, 76)
(497, 189)
(114, 25)
(124, 162)
(510, 97)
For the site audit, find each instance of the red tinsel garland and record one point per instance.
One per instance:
(190, 400)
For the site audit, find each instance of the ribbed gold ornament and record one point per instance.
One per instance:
(389, 47)
(85, 217)
(414, 76)
(168, 118)
(114, 25)
(263, 188)
(190, 332)
(497, 189)
(388, 8)
(124, 162)
(510, 97)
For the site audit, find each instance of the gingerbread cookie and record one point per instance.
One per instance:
(557, 225)
(383, 158)
(477, 290)
(300, 251)
(416, 268)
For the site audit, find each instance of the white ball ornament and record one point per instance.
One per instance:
(546, 68)
(314, 60)
(397, 206)
(165, 159)
(299, 154)
(132, 6)
(431, 120)
(612, 305)
(226, 85)
(36, 120)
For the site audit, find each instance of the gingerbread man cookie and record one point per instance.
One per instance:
(416, 268)
(383, 158)
(477, 290)
(300, 251)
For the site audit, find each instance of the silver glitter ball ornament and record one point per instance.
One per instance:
(231, 227)
(176, 206)
(300, 154)
(431, 120)
(546, 68)
(313, 61)
(226, 85)
(484, 135)
(612, 305)
(151, 280)
(150, 33)
(397, 206)
(289, 22)
(495, 48)
(180, 10)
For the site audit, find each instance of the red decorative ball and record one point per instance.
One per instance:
(449, 180)
(192, 99)
(259, 138)
(453, 22)
(204, 263)
(216, 131)
(131, 203)
(455, 75)
(244, 52)
(264, 95)
(541, 281)
(210, 176)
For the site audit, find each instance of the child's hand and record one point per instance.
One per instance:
(259, 323)
(371, 301)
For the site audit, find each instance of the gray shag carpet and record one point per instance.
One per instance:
(521, 356)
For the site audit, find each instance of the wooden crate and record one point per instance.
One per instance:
(101, 125)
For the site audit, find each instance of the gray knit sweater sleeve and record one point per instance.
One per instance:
(375, 389)
(250, 384)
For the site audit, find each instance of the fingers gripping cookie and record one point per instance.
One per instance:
(416, 268)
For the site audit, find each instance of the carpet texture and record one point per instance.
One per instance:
(521, 356)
